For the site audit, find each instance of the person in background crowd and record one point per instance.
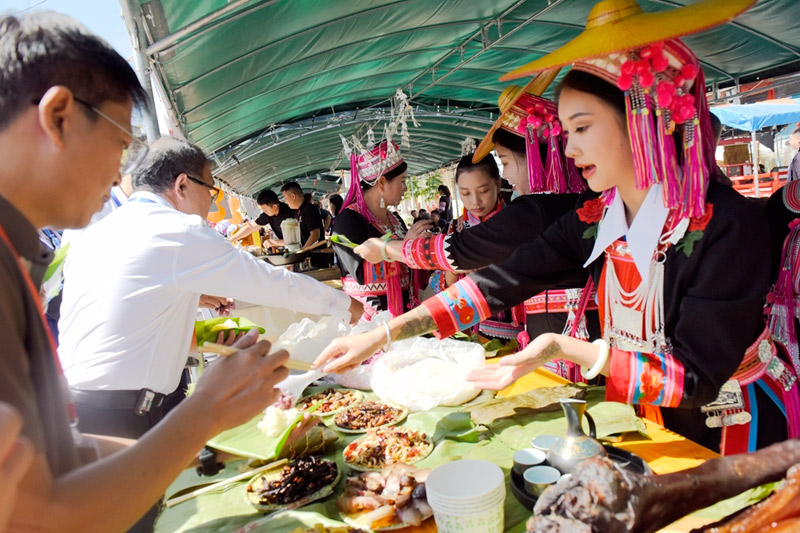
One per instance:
(65, 108)
(445, 204)
(143, 269)
(327, 218)
(273, 212)
(311, 225)
(794, 166)
(336, 202)
(414, 215)
(439, 225)
(16, 455)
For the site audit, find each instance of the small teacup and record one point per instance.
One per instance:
(543, 442)
(526, 458)
(538, 478)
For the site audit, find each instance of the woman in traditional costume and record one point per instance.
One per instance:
(683, 337)
(547, 188)
(378, 181)
(478, 186)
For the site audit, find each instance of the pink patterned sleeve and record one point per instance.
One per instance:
(642, 378)
(458, 307)
(427, 253)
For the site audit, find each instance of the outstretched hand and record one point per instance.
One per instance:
(510, 368)
(346, 353)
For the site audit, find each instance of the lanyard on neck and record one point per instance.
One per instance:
(38, 303)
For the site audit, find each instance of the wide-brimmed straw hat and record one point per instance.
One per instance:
(513, 102)
(617, 25)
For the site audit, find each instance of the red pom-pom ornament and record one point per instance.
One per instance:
(625, 81)
(660, 62)
(689, 72)
(646, 79)
(628, 68)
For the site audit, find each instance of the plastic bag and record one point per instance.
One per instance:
(361, 376)
(422, 373)
(306, 339)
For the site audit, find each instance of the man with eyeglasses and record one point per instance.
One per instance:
(132, 285)
(60, 159)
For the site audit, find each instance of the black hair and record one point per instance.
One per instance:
(389, 176)
(267, 197)
(167, 158)
(444, 190)
(45, 49)
(487, 165)
(336, 202)
(308, 197)
(590, 84)
(292, 186)
(716, 127)
(506, 139)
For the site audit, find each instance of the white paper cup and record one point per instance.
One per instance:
(465, 480)
(467, 496)
(526, 458)
(490, 521)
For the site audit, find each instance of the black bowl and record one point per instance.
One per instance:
(628, 460)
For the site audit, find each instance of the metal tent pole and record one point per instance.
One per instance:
(131, 14)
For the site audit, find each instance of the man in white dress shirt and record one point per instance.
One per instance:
(133, 283)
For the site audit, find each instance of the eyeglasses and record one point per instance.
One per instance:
(212, 190)
(134, 154)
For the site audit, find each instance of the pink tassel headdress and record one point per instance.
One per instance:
(664, 91)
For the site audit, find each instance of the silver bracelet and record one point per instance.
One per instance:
(388, 337)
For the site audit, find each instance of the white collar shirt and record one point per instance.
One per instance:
(133, 284)
(643, 234)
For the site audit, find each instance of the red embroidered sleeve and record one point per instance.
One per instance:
(636, 377)
(460, 306)
(427, 253)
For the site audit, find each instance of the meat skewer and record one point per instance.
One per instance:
(602, 497)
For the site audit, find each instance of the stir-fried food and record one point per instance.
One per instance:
(333, 400)
(387, 446)
(368, 415)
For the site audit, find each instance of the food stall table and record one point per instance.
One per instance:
(227, 510)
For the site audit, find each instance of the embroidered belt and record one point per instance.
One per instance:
(557, 301)
(378, 288)
(762, 358)
(734, 408)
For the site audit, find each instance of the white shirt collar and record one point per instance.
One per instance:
(642, 236)
(151, 197)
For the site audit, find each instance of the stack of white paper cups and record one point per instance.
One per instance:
(467, 497)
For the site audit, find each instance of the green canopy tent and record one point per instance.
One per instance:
(268, 86)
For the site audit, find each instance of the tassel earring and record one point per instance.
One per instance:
(383, 204)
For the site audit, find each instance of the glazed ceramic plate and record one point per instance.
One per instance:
(357, 397)
(252, 497)
(403, 412)
(627, 460)
(363, 468)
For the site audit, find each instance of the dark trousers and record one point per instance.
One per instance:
(127, 424)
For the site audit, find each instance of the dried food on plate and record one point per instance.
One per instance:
(368, 415)
(333, 400)
(390, 499)
(300, 482)
(387, 446)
